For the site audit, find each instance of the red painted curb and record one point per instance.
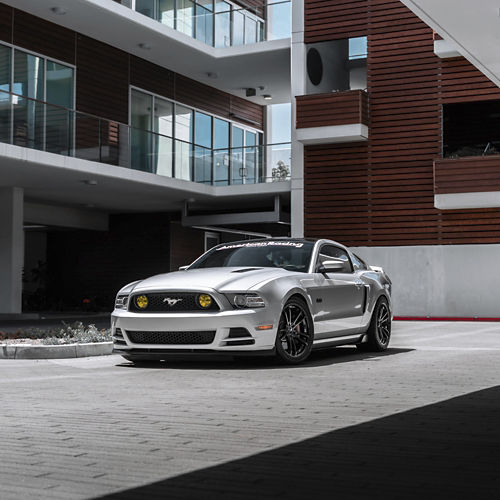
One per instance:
(429, 318)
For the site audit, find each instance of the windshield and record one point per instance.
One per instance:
(291, 255)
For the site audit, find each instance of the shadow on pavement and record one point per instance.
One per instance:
(446, 450)
(323, 357)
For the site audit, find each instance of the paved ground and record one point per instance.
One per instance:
(420, 421)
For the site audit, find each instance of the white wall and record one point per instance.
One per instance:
(441, 280)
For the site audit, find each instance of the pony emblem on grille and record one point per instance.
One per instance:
(171, 302)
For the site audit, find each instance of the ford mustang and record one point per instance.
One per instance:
(283, 297)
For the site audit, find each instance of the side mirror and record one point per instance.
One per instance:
(183, 268)
(332, 266)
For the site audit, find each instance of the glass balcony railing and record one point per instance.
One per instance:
(219, 23)
(38, 125)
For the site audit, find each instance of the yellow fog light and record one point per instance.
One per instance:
(141, 301)
(205, 301)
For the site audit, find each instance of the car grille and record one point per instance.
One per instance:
(158, 302)
(177, 338)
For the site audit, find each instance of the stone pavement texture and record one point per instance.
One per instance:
(419, 421)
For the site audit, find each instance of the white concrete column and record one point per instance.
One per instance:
(11, 250)
(298, 79)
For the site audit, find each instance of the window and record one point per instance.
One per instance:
(358, 48)
(25, 119)
(211, 240)
(221, 152)
(204, 21)
(175, 140)
(222, 24)
(328, 252)
(358, 263)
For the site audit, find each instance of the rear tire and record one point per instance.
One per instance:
(379, 331)
(295, 335)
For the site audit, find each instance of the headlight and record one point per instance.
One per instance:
(121, 302)
(246, 300)
(204, 300)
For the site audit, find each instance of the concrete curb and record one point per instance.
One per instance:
(30, 351)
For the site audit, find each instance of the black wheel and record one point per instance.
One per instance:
(295, 332)
(379, 331)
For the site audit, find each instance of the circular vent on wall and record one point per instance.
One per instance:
(314, 66)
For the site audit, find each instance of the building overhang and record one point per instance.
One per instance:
(232, 69)
(333, 134)
(471, 27)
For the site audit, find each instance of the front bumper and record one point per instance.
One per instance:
(221, 322)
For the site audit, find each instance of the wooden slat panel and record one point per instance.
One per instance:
(382, 193)
(6, 13)
(467, 175)
(334, 19)
(246, 112)
(153, 78)
(333, 108)
(102, 86)
(44, 37)
(460, 81)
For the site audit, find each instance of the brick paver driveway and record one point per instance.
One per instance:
(420, 421)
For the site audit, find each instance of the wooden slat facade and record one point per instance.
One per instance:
(334, 19)
(381, 193)
(467, 175)
(332, 108)
(104, 73)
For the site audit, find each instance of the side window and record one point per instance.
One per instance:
(359, 264)
(328, 252)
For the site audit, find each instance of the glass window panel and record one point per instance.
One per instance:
(146, 7)
(183, 160)
(141, 138)
(185, 17)
(163, 126)
(142, 105)
(204, 20)
(238, 27)
(222, 24)
(221, 152)
(183, 123)
(202, 165)
(28, 128)
(163, 155)
(203, 130)
(279, 20)
(163, 117)
(237, 167)
(28, 75)
(250, 157)
(5, 74)
(58, 130)
(250, 30)
(358, 47)
(59, 84)
(221, 134)
(166, 12)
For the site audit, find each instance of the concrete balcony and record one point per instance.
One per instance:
(65, 157)
(334, 117)
(468, 182)
(232, 68)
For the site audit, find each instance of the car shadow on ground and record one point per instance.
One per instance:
(445, 450)
(323, 357)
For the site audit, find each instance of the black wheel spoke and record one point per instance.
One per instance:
(293, 330)
(383, 324)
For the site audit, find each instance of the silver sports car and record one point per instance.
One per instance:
(278, 296)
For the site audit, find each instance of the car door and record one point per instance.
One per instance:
(338, 297)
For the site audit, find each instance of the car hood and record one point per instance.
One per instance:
(217, 278)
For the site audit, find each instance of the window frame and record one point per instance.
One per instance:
(323, 245)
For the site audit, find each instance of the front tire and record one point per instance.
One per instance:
(295, 335)
(379, 331)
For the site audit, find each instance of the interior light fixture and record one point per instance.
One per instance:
(144, 46)
(90, 182)
(60, 11)
(267, 97)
